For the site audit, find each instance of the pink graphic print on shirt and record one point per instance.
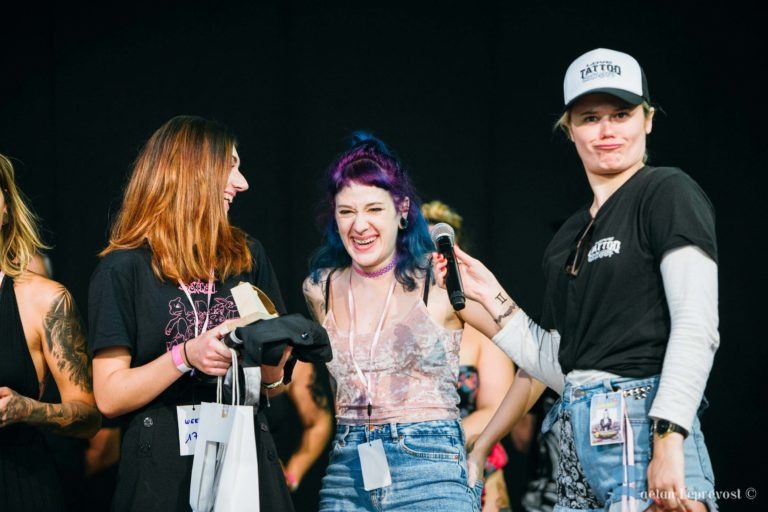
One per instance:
(181, 325)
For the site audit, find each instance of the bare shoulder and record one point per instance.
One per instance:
(441, 310)
(40, 294)
(314, 289)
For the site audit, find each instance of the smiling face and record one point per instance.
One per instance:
(367, 219)
(609, 134)
(236, 182)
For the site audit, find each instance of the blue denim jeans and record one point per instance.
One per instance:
(592, 477)
(427, 462)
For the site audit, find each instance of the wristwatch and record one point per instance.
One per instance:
(663, 428)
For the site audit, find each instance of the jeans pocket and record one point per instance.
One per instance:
(703, 453)
(431, 447)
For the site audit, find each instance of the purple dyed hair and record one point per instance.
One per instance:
(370, 162)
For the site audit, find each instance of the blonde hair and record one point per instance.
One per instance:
(174, 203)
(19, 234)
(437, 211)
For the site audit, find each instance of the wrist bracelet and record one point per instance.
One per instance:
(186, 357)
(272, 385)
(178, 360)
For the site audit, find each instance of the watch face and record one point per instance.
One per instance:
(662, 426)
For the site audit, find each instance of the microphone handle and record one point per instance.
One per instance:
(453, 281)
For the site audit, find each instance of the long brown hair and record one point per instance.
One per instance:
(174, 203)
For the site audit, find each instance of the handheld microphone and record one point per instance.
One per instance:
(443, 236)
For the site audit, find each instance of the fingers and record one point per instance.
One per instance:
(208, 354)
(682, 499)
(474, 469)
(670, 499)
(472, 476)
(463, 257)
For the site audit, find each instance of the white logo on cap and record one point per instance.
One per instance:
(600, 69)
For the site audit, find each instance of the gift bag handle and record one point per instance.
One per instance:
(235, 382)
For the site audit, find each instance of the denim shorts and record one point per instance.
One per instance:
(427, 462)
(591, 477)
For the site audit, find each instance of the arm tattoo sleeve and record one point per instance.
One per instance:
(66, 343)
(314, 309)
(66, 340)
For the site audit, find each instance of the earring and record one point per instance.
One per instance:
(403, 223)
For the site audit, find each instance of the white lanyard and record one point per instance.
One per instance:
(351, 303)
(194, 309)
(628, 504)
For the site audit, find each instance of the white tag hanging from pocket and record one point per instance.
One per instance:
(373, 462)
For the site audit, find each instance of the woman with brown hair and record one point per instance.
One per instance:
(41, 334)
(159, 304)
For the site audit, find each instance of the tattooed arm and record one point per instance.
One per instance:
(314, 294)
(57, 326)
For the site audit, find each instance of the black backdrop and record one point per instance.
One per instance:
(465, 93)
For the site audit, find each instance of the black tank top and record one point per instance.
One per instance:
(28, 478)
(17, 371)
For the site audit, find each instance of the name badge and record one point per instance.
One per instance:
(189, 421)
(606, 419)
(373, 462)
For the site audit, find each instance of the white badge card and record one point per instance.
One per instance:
(189, 421)
(606, 414)
(373, 462)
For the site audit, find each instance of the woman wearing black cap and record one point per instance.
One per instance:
(630, 316)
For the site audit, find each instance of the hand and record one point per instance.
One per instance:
(479, 282)
(476, 465)
(666, 474)
(208, 353)
(14, 408)
(291, 481)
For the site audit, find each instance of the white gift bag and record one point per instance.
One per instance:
(225, 472)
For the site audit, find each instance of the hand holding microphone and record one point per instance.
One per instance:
(443, 236)
(472, 278)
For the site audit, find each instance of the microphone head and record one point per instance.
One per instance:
(440, 230)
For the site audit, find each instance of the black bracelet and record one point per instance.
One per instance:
(189, 363)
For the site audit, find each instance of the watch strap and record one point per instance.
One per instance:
(663, 428)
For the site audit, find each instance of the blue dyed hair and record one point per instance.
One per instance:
(369, 161)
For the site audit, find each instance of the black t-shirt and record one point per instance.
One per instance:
(613, 316)
(128, 306)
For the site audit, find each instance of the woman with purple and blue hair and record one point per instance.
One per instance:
(399, 444)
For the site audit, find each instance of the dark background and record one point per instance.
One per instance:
(467, 95)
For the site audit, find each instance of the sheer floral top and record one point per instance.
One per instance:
(413, 372)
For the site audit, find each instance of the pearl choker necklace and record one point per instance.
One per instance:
(376, 273)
